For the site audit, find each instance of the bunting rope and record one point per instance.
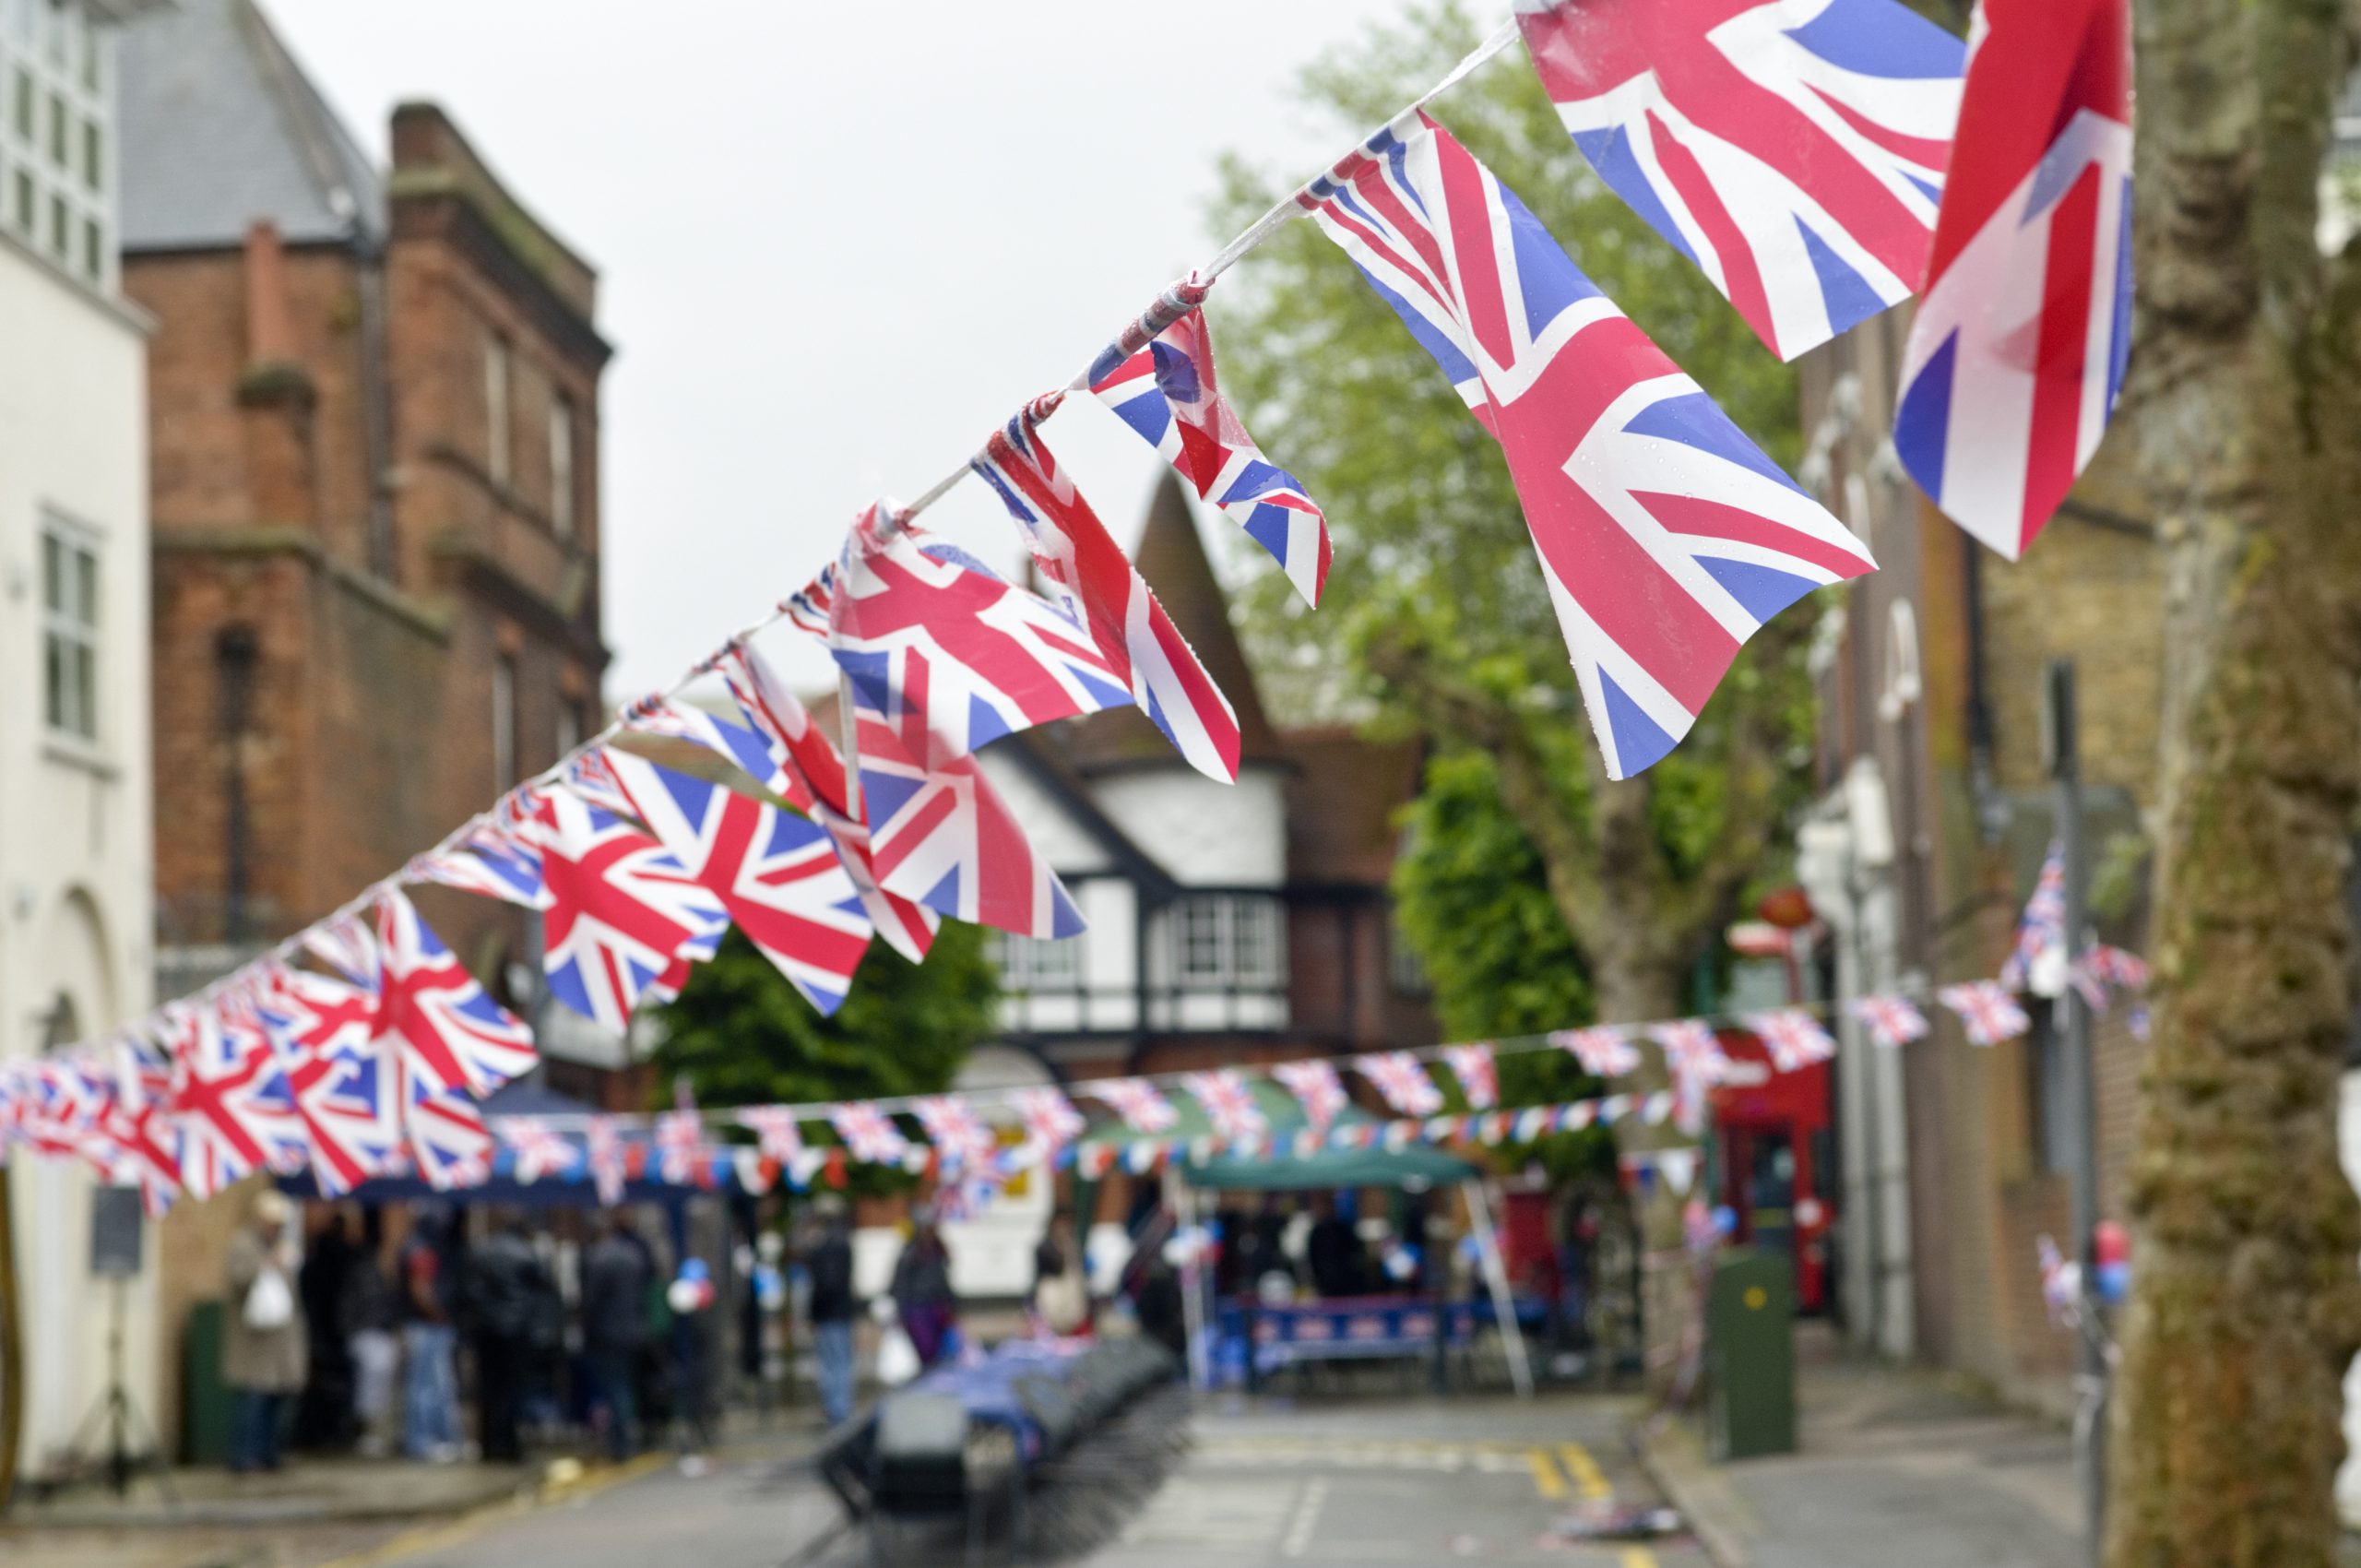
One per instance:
(1168, 307)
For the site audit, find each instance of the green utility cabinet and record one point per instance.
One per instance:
(1750, 1355)
(205, 1399)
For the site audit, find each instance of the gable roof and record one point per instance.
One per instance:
(220, 129)
(1171, 557)
(1342, 802)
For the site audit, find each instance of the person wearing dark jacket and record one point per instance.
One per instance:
(829, 1264)
(923, 1296)
(501, 1301)
(615, 1279)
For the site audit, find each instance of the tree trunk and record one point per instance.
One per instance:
(2248, 428)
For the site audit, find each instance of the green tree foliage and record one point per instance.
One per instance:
(744, 1036)
(1471, 895)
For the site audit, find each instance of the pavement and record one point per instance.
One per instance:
(1894, 1464)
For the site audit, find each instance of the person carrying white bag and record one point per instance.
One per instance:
(263, 1350)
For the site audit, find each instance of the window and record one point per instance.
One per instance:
(504, 722)
(69, 595)
(54, 113)
(93, 156)
(61, 226)
(1030, 963)
(28, 201)
(569, 728)
(1229, 938)
(496, 408)
(1408, 974)
(24, 105)
(94, 250)
(562, 465)
(57, 121)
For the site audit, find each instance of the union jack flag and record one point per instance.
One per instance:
(735, 743)
(321, 1027)
(1893, 1021)
(1987, 1010)
(1792, 1038)
(1604, 1050)
(680, 1149)
(1095, 583)
(621, 911)
(1318, 1088)
(1228, 1104)
(139, 1130)
(1691, 1044)
(450, 1038)
(488, 860)
(603, 1144)
(2041, 927)
(2018, 349)
(867, 1132)
(443, 1132)
(777, 1132)
(809, 607)
(1161, 383)
(1138, 1102)
(1478, 1075)
(1794, 149)
(2117, 967)
(348, 944)
(776, 875)
(807, 771)
(1403, 1079)
(920, 626)
(959, 1137)
(536, 1148)
(228, 1099)
(1667, 539)
(1049, 1116)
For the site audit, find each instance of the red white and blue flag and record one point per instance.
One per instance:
(1086, 575)
(1228, 1101)
(1794, 149)
(1403, 1079)
(1138, 1102)
(536, 1149)
(1051, 1119)
(867, 1132)
(961, 1140)
(1318, 1088)
(622, 911)
(1893, 1021)
(450, 1037)
(803, 768)
(443, 1136)
(140, 1130)
(679, 1140)
(1478, 1074)
(2018, 349)
(1986, 1010)
(1604, 1050)
(486, 860)
(921, 627)
(2041, 929)
(228, 1098)
(1665, 537)
(1166, 391)
(602, 1145)
(940, 834)
(778, 1134)
(322, 1029)
(776, 874)
(1792, 1037)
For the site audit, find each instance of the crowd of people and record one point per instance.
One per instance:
(357, 1340)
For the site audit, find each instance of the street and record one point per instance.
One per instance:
(1364, 1481)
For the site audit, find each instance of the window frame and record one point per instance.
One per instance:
(1244, 958)
(563, 482)
(1024, 971)
(63, 626)
(499, 408)
(504, 752)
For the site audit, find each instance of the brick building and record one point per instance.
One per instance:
(1227, 924)
(374, 423)
(1936, 817)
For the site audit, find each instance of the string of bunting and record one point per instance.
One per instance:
(361, 1045)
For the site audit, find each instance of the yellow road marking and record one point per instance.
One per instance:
(1639, 1557)
(1546, 1479)
(450, 1532)
(1585, 1469)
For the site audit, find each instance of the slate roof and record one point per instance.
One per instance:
(1341, 805)
(220, 128)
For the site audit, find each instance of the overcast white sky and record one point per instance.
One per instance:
(838, 243)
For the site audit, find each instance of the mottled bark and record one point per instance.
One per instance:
(2244, 410)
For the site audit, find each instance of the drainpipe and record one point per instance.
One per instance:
(234, 652)
(377, 415)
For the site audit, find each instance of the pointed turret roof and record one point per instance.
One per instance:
(1171, 556)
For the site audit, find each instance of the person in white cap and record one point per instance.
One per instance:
(263, 1352)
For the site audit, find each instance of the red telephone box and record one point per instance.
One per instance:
(1770, 1136)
